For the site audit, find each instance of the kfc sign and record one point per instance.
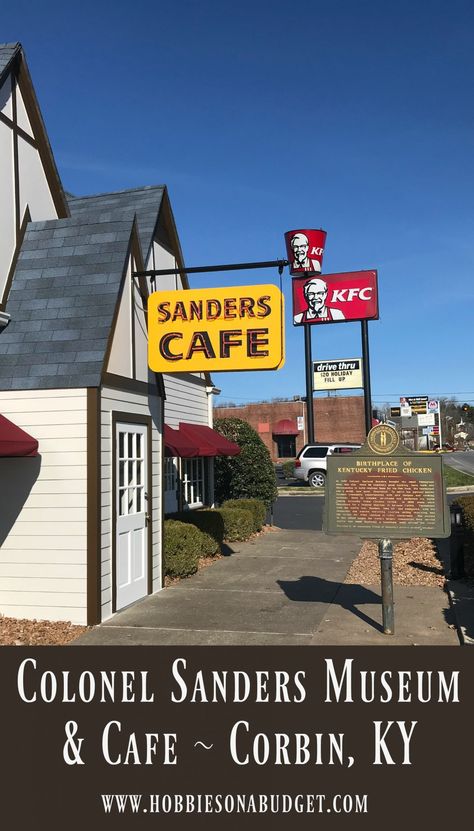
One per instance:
(334, 298)
(305, 249)
(228, 329)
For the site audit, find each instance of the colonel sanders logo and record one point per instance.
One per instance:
(305, 250)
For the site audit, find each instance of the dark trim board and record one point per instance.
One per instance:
(109, 379)
(19, 242)
(131, 418)
(93, 508)
(16, 167)
(25, 85)
(22, 133)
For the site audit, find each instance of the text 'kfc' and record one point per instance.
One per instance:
(332, 298)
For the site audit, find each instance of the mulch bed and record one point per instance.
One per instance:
(415, 563)
(19, 632)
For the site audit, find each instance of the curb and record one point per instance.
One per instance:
(282, 492)
(465, 640)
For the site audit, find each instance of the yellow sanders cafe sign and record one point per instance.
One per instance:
(224, 329)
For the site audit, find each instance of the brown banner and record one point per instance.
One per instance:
(224, 737)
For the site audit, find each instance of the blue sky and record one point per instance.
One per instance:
(355, 116)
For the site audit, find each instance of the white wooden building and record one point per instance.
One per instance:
(81, 525)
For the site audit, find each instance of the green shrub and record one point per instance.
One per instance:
(467, 507)
(238, 524)
(211, 526)
(289, 469)
(181, 549)
(257, 508)
(251, 473)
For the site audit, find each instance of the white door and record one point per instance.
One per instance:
(131, 565)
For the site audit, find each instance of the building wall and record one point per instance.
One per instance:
(336, 418)
(186, 398)
(128, 402)
(28, 175)
(43, 513)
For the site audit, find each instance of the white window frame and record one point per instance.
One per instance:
(194, 482)
(171, 474)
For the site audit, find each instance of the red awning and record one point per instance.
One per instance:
(209, 441)
(285, 427)
(176, 444)
(14, 441)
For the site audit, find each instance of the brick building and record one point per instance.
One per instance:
(282, 424)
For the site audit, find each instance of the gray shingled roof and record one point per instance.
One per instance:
(123, 205)
(62, 303)
(7, 52)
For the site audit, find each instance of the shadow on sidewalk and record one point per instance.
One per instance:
(346, 595)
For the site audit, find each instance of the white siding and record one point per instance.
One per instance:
(120, 361)
(186, 399)
(43, 522)
(21, 114)
(34, 188)
(133, 403)
(141, 334)
(130, 319)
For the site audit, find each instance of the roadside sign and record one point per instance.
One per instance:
(385, 491)
(410, 423)
(300, 422)
(433, 406)
(424, 420)
(391, 423)
(221, 329)
(405, 411)
(305, 249)
(418, 403)
(342, 374)
(395, 412)
(335, 298)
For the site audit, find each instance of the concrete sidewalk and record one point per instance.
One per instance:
(283, 588)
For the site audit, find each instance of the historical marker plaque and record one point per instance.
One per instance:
(385, 491)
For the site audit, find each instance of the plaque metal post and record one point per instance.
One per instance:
(309, 384)
(366, 376)
(386, 558)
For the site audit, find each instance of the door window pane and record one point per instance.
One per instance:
(122, 502)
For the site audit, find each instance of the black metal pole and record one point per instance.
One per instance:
(201, 269)
(309, 384)
(366, 373)
(386, 558)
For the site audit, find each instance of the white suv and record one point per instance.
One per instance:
(311, 462)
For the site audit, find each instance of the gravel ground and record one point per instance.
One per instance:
(415, 563)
